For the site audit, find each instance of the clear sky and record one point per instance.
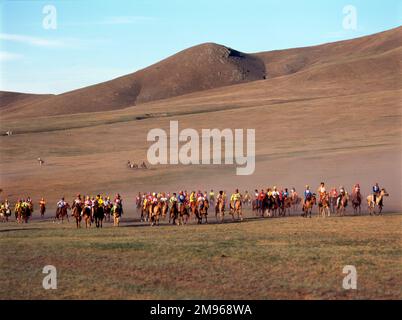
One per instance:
(87, 42)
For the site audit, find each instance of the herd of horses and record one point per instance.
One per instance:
(269, 206)
(155, 211)
(336, 205)
(181, 213)
(94, 214)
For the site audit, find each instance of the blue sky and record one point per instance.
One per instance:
(99, 40)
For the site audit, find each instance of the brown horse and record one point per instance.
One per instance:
(379, 202)
(164, 210)
(42, 209)
(108, 211)
(194, 209)
(86, 215)
(246, 199)
(99, 215)
(342, 203)
(62, 213)
(308, 206)
(220, 209)
(236, 208)
(117, 211)
(145, 210)
(203, 207)
(154, 213)
(286, 206)
(76, 213)
(323, 205)
(356, 202)
(332, 203)
(174, 214)
(184, 215)
(295, 201)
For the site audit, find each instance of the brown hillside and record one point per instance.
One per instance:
(9, 99)
(358, 64)
(198, 68)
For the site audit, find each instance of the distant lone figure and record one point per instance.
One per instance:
(40, 161)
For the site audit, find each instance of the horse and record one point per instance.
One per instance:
(246, 200)
(203, 207)
(174, 214)
(138, 203)
(132, 165)
(5, 212)
(286, 206)
(86, 215)
(183, 213)
(145, 210)
(295, 201)
(332, 203)
(42, 209)
(267, 206)
(220, 209)
(76, 213)
(62, 213)
(236, 208)
(342, 203)
(323, 205)
(117, 211)
(154, 213)
(378, 202)
(308, 206)
(99, 215)
(107, 210)
(356, 202)
(164, 210)
(255, 206)
(194, 209)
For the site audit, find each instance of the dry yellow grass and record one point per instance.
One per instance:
(289, 258)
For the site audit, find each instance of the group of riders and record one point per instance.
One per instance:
(181, 206)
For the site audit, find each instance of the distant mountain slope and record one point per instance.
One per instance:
(198, 68)
(9, 99)
(374, 60)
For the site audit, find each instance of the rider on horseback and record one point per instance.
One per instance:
(356, 188)
(212, 196)
(99, 200)
(61, 203)
(307, 194)
(342, 193)
(77, 201)
(42, 202)
(181, 199)
(173, 199)
(193, 197)
(376, 192)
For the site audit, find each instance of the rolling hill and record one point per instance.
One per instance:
(374, 59)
